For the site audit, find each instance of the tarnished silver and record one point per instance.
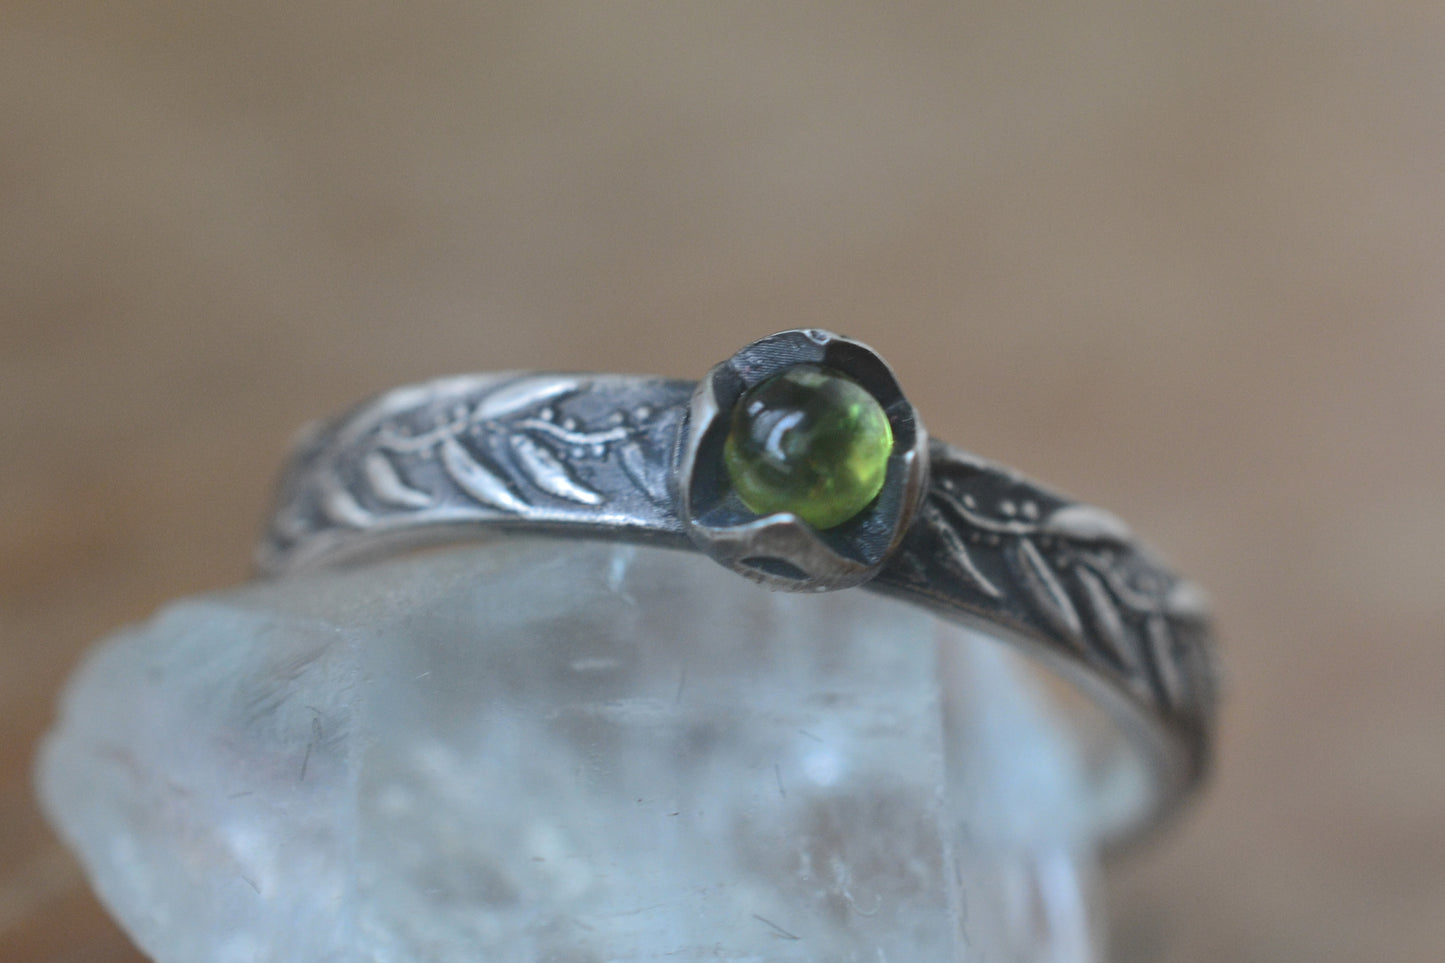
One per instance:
(780, 550)
(635, 458)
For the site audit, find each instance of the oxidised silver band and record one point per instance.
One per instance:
(594, 456)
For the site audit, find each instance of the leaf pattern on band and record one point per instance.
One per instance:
(1074, 571)
(506, 448)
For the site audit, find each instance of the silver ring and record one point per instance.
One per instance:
(649, 460)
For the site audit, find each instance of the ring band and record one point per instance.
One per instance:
(637, 458)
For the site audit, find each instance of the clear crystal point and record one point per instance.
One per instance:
(573, 752)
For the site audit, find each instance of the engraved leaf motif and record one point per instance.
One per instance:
(387, 485)
(956, 554)
(339, 506)
(477, 481)
(1167, 671)
(634, 462)
(1186, 601)
(525, 392)
(545, 471)
(1103, 613)
(1085, 523)
(1047, 593)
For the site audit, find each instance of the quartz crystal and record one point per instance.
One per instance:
(573, 752)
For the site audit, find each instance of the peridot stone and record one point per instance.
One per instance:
(810, 441)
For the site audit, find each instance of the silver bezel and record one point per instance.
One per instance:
(780, 550)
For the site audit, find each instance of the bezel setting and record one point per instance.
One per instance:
(779, 549)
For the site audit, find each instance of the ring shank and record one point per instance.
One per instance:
(590, 456)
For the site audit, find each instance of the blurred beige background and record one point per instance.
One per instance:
(1185, 260)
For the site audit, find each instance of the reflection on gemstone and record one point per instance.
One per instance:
(810, 441)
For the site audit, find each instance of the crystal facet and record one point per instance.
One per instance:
(569, 751)
(810, 441)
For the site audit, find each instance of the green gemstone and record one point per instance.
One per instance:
(810, 441)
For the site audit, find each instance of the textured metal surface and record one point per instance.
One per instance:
(591, 455)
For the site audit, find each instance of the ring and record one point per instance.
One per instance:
(799, 464)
